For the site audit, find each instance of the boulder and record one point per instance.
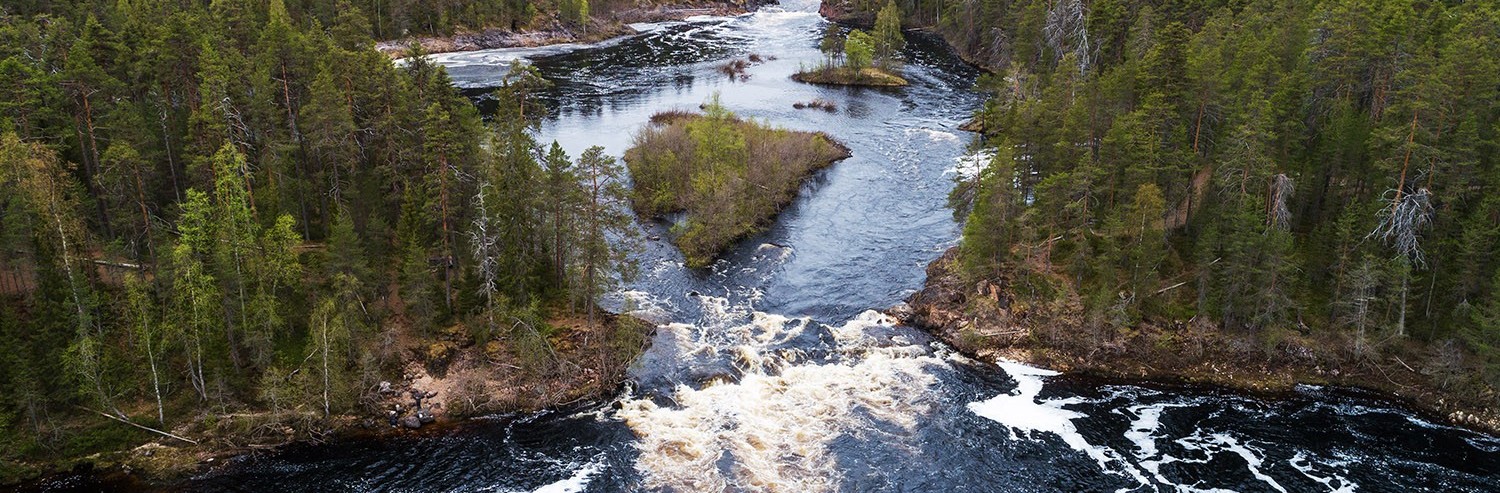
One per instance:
(411, 422)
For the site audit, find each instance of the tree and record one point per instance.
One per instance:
(196, 298)
(605, 216)
(888, 41)
(563, 200)
(35, 176)
(278, 271)
(832, 44)
(148, 331)
(238, 234)
(92, 89)
(331, 330)
(859, 50)
(989, 232)
(328, 125)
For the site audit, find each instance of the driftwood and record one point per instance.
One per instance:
(147, 428)
(118, 265)
(1169, 288)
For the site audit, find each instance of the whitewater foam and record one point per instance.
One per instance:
(773, 428)
(1022, 411)
(574, 484)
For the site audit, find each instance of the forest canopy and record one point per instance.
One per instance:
(237, 205)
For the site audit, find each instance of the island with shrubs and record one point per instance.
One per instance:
(720, 177)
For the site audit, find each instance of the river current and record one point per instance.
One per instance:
(771, 371)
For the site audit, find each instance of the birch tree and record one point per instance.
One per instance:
(148, 331)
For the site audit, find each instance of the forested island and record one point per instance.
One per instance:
(1250, 193)
(727, 176)
(860, 58)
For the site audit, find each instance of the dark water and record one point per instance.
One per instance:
(770, 373)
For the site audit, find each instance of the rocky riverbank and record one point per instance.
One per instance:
(986, 321)
(551, 31)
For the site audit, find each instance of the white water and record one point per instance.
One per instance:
(773, 428)
(1022, 411)
(574, 484)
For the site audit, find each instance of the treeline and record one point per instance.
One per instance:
(1318, 168)
(380, 19)
(214, 208)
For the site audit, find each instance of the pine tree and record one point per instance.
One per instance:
(562, 199)
(604, 216)
(832, 44)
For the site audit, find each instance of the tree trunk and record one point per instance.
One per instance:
(447, 248)
(91, 167)
(140, 196)
(161, 417)
(325, 366)
(1401, 322)
(166, 137)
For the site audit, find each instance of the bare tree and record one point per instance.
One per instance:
(1067, 30)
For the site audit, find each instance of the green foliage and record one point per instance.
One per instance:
(859, 50)
(1222, 164)
(888, 41)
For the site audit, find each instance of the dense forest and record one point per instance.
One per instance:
(381, 19)
(1319, 169)
(208, 207)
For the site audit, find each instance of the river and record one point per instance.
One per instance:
(772, 372)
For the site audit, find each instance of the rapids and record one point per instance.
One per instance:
(771, 372)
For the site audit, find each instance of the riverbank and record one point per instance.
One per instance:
(456, 376)
(550, 31)
(986, 321)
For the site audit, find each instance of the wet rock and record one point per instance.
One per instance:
(411, 422)
(425, 417)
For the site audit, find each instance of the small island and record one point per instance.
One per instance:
(726, 176)
(861, 59)
(845, 76)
